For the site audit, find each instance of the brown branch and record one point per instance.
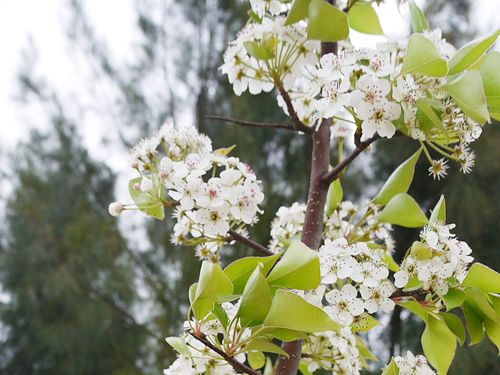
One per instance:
(337, 170)
(252, 124)
(416, 294)
(297, 124)
(237, 365)
(233, 235)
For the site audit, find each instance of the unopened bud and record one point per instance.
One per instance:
(115, 208)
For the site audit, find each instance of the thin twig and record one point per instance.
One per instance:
(416, 294)
(233, 235)
(252, 124)
(237, 365)
(297, 124)
(337, 170)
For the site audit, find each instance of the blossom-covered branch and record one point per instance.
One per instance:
(237, 365)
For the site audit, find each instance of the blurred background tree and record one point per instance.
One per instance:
(174, 76)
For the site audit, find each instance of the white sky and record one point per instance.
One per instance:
(43, 21)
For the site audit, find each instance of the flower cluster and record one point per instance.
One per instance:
(413, 365)
(202, 359)
(355, 279)
(212, 193)
(347, 220)
(358, 88)
(333, 351)
(267, 54)
(436, 260)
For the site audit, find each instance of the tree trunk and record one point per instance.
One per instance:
(313, 225)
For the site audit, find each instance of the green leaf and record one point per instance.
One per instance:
(221, 315)
(255, 301)
(491, 82)
(364, 323)
(297, 269)
(423, 58)
(470, 53)
(467, 91)
(493, 332)
(415, 308)
(455, 325)
(256, 359)
(439, 344)
(439, 211)
(418, 21)
(404, 211)
(391, 368)
(266, 346)
(180, 346)
(363, 18)
(240, 270)
(291, 311)
(334, 197)
(257, 51)
(364, 352)
(224, 151)
(399, 181)
(298, 12)
(454, 298)
(303, 368)
(474, 324)
(326, 22)
(390, 262)
(212, 284)
(425, 108)
(483, 277)
(146, 203)
(478, 301)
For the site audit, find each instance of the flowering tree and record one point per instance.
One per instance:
(327, 273)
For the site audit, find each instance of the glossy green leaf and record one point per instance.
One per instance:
(145, 202)
(491, 82)
(390, 262)
(471, 53)
(297, 269)
(255, 301)
(219, 312)
(399, 181)
(439, 211)
(213, 283)
(266, 346)
(256, 359)
(402, 210)
(290, 311)
(467, 91)
(454, 298)
(474, 324)
(258, 51)
(455, 325)
(431, 118)
(493, 331)
(298, 12)
(240, 270)
(439, 344)
(391, 368)
(418, 21)
(180, 346)
(363, 18)
(224, 151)
(476, 299)
(334, 197)
(415, 308)
(423, 58)
(326, 22)
(483, 277)
(364, 352)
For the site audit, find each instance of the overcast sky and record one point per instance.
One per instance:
(43, 21)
